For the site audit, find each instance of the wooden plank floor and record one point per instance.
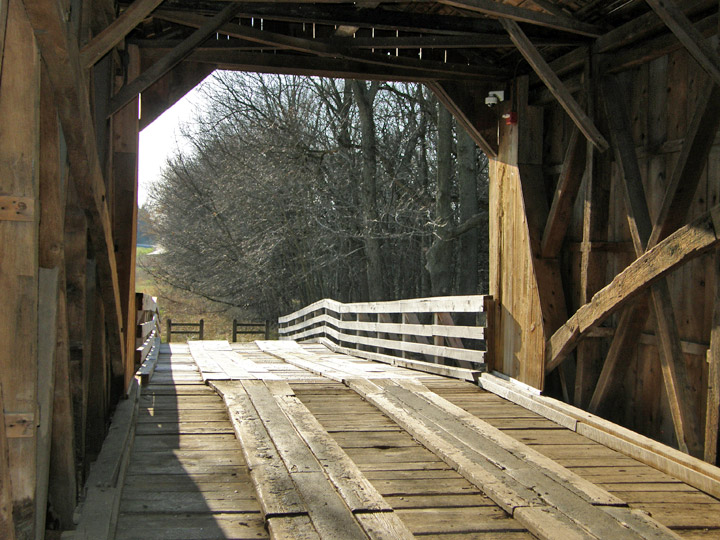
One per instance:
(432, 499)
(684, 509)
(187, 478)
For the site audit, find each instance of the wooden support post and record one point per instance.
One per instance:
(174, 57)
(58, 47)
(672, 361)
(19, 157)
(567, 189)
(63, 479)
(7, 523)
(555, 85)
(234, 331)
(201, 329)
(712, 413)
(123, 205)
(593, 267)
(4, 5)
(267, 330)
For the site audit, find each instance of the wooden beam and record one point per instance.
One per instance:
(3, 25)
(712, 413)
(60, 53)
(19, 158)
(566, 192)
(686, 244)
(630, 326)
(691, 162)
(687, 34)
(169, 88)
(554, 84)
(326, 49)
(360, 16)
(474, 117)
(116, 32)
(513, 13)
(209, 27)
(479, 41)
(672, 362)
(7, 523)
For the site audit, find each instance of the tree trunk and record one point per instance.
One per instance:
(467, 282)
(364, 97)
(439, 256)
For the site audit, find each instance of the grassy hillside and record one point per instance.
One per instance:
(182, 306)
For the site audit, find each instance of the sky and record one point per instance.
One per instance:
(160, 139)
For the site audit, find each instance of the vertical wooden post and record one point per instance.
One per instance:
(123, 195)
(489, 310)
(7, 524)
(19, 156)
(168, 322)
(267, 330)
(202, 329)
(713, 389)
(234, 331)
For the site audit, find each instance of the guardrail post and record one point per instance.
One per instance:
(169, 330)
(234, 331)
(267, 330)
(202, 329)
(489, 309)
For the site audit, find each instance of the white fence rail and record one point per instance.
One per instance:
(448, 330)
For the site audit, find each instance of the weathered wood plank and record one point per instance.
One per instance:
(712, 411)
(19, 158)
(567, 189)
(687, 243)
(7, 522)
(116, 32)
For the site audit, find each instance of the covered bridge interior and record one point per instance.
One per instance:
(604, 193)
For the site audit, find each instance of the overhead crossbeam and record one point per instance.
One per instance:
(513, 13)
(554, 84)
(128, 92)
(328, 50)
(116, 32)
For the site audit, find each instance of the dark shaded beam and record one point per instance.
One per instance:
(690, 164)
(60, 53)
(568, 186)
(169, 88)
(346, 15)
(688, 35)
(290, 64)
(555, 85)
(318, 48)
(478, 41)
(510, 12)
(118, 29)
(468, 107)
(209, 27)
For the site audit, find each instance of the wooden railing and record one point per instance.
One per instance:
(447, 331)
(147, 336)
(185, 328)
(250, 329)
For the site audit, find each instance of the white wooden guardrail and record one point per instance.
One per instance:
(448, 330)
(147, 336)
